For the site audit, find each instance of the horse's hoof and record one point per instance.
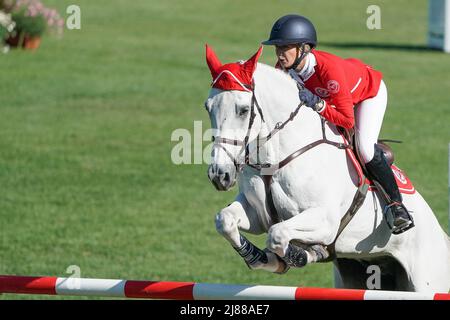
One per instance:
(295, 256)
(274, 259)
(318, 252)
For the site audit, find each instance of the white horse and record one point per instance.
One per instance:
(311, 194)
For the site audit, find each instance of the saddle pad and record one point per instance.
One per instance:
(403, 182)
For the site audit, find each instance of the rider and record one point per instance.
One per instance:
(332, 86)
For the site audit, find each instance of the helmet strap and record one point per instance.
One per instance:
(299, 59)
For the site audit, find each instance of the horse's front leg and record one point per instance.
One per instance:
(240, 215)
(314, 228)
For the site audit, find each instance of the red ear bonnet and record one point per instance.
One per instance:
(232, 76)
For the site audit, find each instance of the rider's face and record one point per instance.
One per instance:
(286, 54)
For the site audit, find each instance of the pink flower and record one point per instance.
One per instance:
(32, 12)
(34, 8)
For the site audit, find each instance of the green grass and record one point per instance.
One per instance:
(85, 125)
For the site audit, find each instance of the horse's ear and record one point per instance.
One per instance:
(213, 61)
(250, 65)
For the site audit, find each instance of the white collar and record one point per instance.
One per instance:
(308, 69)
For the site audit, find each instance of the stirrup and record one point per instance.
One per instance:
(390, 219)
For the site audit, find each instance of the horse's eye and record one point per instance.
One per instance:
(243, 111)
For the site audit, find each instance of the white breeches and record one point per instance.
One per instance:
(368, 120)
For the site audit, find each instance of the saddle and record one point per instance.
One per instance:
(404, 184)
(350, 137)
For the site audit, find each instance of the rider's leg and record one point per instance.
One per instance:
(369, 118)
(379, 170)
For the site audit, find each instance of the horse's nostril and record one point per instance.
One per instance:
(227, 177)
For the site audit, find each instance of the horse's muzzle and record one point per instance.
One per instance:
(222, 177)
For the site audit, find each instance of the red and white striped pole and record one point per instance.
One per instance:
(193, 291)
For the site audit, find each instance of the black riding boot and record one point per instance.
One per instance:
(379, 170)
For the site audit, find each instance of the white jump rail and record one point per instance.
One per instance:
(193, 291)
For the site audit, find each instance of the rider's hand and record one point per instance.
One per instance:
(310, 100)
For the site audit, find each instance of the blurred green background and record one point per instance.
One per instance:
(85, 125)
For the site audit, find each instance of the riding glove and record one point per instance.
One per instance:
(310, 100)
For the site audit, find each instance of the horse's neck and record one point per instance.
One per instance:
(277, 95)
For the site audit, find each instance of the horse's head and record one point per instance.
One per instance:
(231, 108)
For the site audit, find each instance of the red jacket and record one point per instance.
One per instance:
(342, 83)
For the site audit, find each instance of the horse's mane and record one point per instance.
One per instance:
(265, 72)
(277, 87)
(278, 94)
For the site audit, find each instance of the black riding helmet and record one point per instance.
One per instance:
(293, 29)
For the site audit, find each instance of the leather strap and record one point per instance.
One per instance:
(298, 60)
(357, 202)
(310, 146)
(270, 206)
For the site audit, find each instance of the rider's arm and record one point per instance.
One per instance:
(339, 104)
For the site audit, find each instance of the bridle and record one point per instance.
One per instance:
(245, 145)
